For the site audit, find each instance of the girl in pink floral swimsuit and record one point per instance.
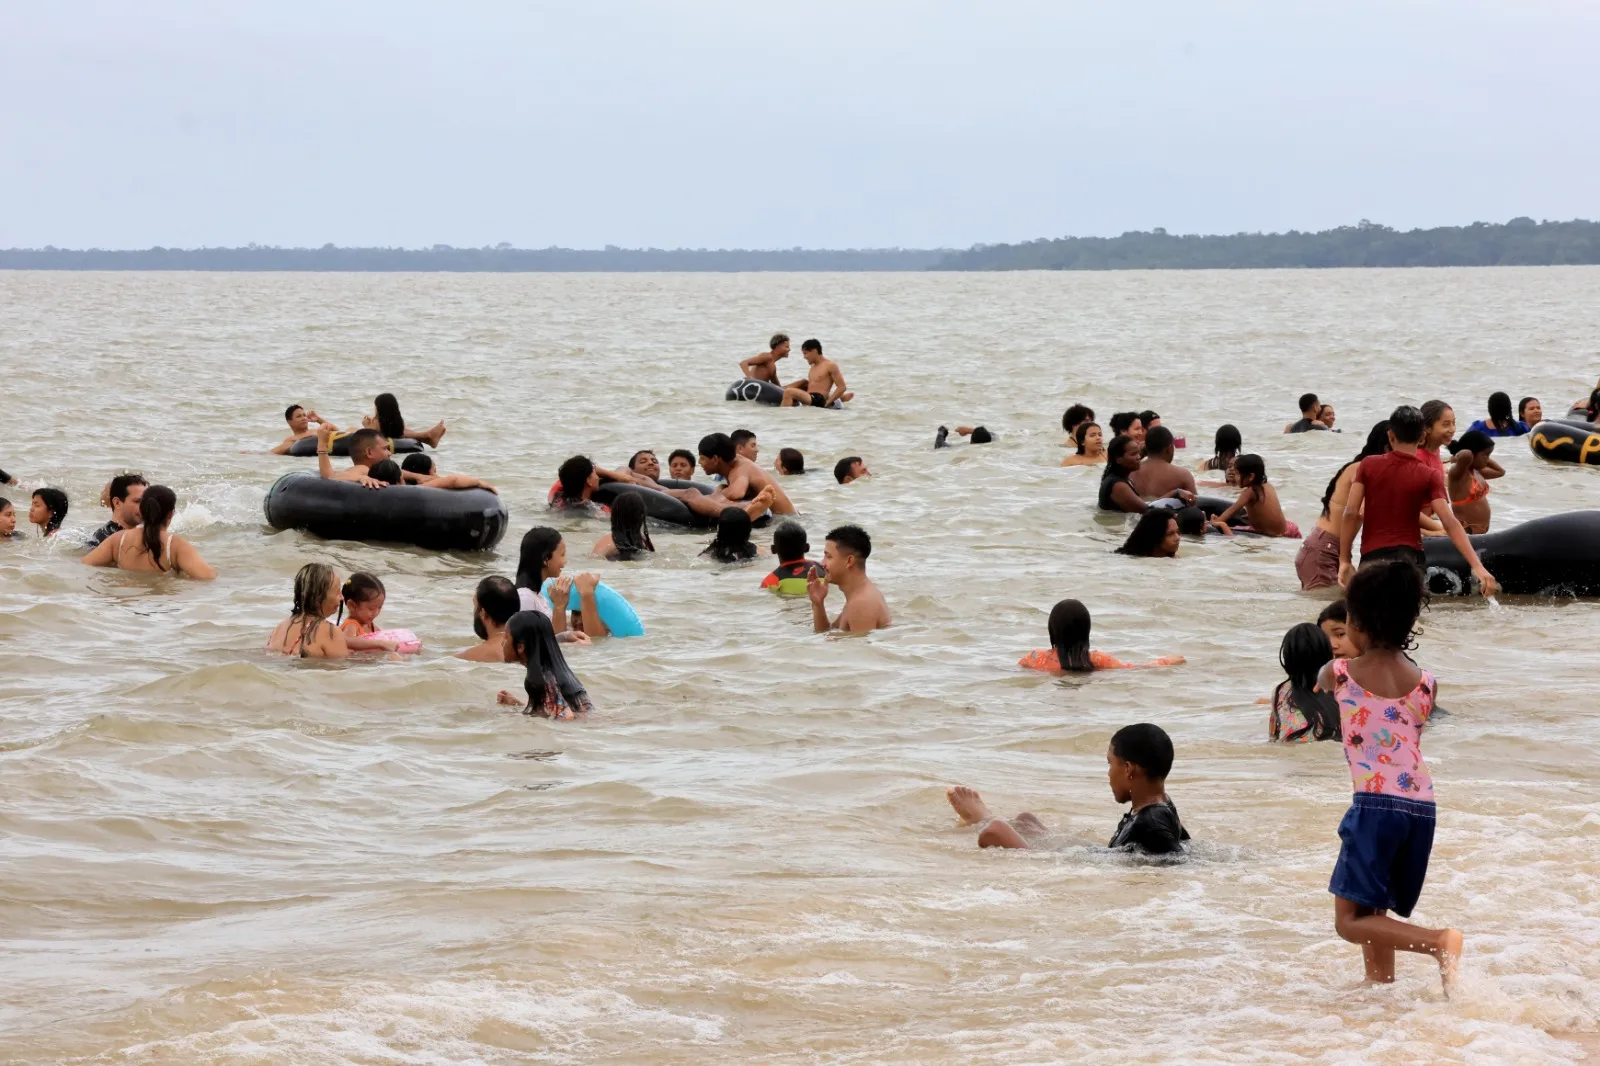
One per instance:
(1387, 834)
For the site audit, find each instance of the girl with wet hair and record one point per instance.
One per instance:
(732, 544)
(1228, 444)
(1500, 423)
(1530, 412)
(307, 632)
(1069, 651)
(362, 597)
(1300, 712)
(149, 546)
(1091, 443)
(387, 419)
(630, 530)
(1155, 536)
(552, 690)
(8, 520)
(47, 511)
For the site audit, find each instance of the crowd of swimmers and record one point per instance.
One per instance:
(1347, 675)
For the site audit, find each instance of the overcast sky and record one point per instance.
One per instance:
(825, 123)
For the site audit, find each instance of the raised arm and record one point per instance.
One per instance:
(755, 362)
(325, 432)
(817, 590)
(1458, 536)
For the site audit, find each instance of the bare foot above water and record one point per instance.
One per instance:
(969, 806)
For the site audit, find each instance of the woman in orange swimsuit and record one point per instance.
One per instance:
(1069, 650)
(1471, 467)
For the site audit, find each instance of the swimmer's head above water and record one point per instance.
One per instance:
(1069, 635)
(791, 462)
(1075, 416)
(1530, 411)
(1138, 752)
(1159, 445)
(577, 479)
(1090, 439)
(8, 518)
(1154, 536)
(1127, 424)
(645, 462)
(850, 468)
(744, 443)
(717, 453)
(680, 464)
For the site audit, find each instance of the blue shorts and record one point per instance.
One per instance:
(1383, 857)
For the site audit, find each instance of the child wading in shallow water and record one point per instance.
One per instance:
(1387, 834)
(1137, 764)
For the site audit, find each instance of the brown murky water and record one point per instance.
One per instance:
(209, 855)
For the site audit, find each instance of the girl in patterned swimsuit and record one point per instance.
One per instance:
(1069, 650)
(1387, 834)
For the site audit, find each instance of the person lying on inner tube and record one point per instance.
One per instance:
(420, 469)
(747, 485)
(299, 420)
(369, 449)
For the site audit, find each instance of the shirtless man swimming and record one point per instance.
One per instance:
(1157, 476)
(845, 557)
(764, 367)
(824, 382)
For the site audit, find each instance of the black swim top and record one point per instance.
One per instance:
(1155, 830)
(1306, 425)
(1108, 482)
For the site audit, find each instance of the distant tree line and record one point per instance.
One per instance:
(441, 257)
(1520, 242)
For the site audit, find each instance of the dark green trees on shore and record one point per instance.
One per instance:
(1520, 242)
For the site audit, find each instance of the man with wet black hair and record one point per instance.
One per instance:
(1310, 407)
(299, 420)
(790, 462)
(744, 443)
(850, 468)
(123, 496)
(845, 559)
(1158, 475)
(764, 367)
(493, 604)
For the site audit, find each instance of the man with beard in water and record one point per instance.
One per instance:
(493, 604)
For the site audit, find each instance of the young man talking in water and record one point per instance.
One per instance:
(764, 367)
(823, 385)
(845, 558)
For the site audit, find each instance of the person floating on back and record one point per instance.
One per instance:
(845, 559)
(794, 570)
(1388, 493)
(1137, 763)
(386, 419)
(1386, 837)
